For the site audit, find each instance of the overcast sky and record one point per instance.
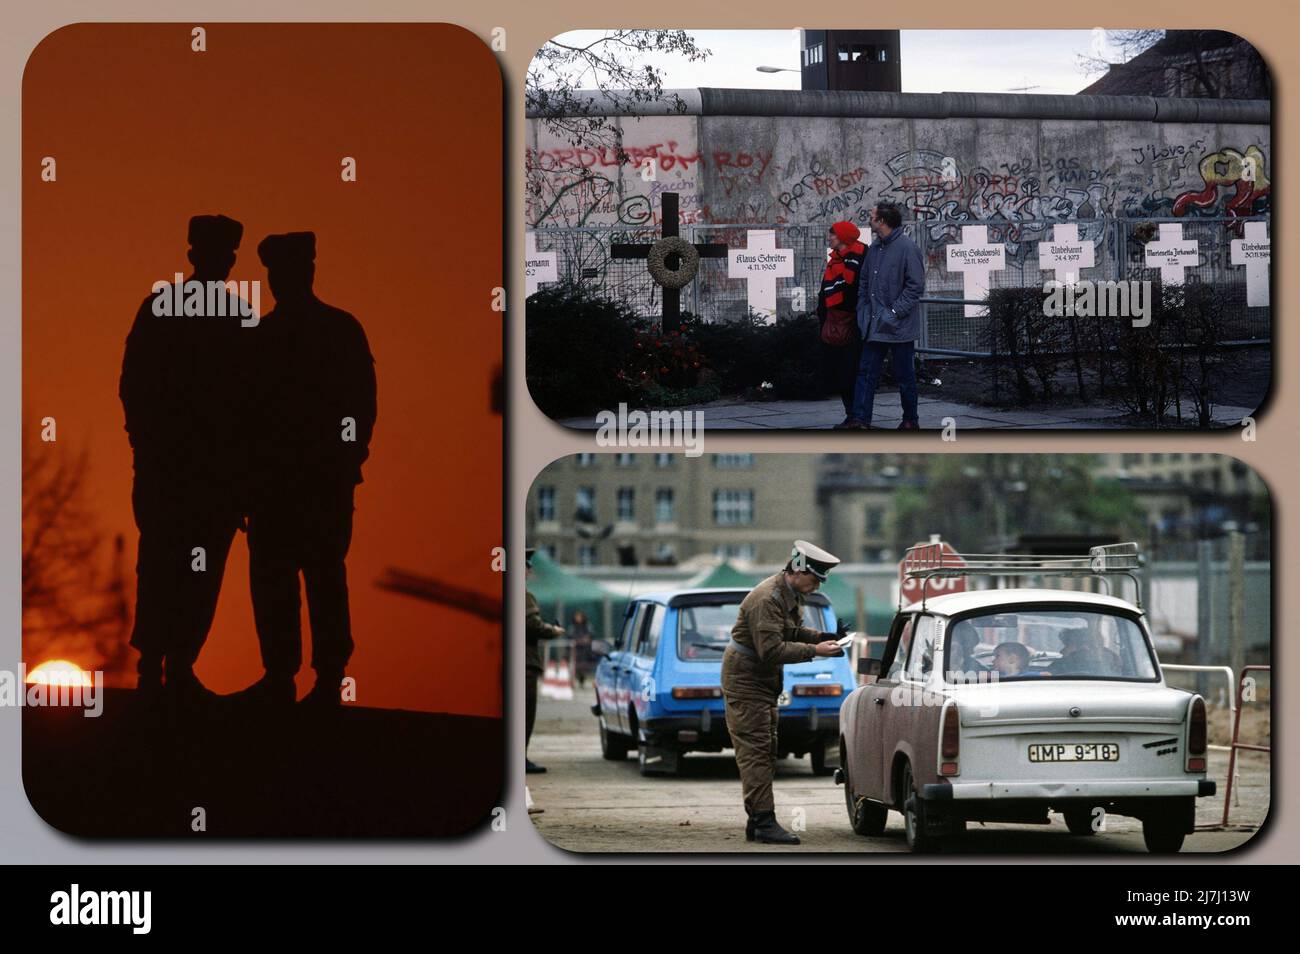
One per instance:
(934, 61)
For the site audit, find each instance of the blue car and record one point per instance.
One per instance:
(659, 684)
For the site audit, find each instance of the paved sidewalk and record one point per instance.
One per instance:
(803, 415)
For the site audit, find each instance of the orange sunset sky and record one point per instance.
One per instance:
(147, 133)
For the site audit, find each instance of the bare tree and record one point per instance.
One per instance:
(573, 89)
(561, 74)
(70, 606)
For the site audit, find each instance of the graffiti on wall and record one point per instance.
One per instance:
(1235, 182)
(736, 182)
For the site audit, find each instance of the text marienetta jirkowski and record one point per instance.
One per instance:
(195, 299)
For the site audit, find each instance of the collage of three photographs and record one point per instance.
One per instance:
(323, 544)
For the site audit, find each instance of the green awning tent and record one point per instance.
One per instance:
(561, 593)
(844, 597)
(725, 576)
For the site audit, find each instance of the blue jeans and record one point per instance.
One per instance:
(869, 368)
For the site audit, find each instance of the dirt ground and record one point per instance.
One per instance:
(590, 805)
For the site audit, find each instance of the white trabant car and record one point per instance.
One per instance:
(1005, 704)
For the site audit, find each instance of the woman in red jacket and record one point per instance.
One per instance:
(837, 305)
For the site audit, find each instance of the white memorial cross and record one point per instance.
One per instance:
(975, 258)
(1065, 254)
(539, 267)
(1173, 254)
(760, 264)
(1255, 251)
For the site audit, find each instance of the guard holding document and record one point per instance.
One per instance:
(769, 633)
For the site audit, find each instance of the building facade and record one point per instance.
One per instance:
(663, 509)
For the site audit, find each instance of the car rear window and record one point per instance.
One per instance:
(704, 630)
(1053, 643)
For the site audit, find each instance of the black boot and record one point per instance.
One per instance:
(326, 694)
(749, 828)
(768, 830)
(271, 691)
(184, 690)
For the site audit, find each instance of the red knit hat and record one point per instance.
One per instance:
(846, 231)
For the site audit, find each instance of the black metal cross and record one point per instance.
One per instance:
(672, 315)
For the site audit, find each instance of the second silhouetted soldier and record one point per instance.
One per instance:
(181, 389)
(315, 416)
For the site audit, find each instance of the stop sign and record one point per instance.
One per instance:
(910, 589)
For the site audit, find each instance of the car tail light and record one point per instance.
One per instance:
(831, 689)
(697, 692)
(949, 741)
(1197, 733)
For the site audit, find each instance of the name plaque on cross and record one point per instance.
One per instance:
(760, 264)
(540, 268)
(976, 258)
(1173, 254)
(1065, 254)
(1255, 251)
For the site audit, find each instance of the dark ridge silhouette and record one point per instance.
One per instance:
(138, 771)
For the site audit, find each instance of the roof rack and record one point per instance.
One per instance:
(927, 561)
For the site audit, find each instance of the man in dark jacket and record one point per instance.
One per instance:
(536, 631)
(316, 412)
(889, 315)
(837, 305)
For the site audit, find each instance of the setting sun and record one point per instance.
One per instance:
(59, 672)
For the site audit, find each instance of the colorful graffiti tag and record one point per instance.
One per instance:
(1246, 174)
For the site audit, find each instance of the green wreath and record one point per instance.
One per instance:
(688, 262)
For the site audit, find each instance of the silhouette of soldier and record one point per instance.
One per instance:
(316, 412)
(181, 388)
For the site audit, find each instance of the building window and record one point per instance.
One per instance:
(663, 461)
(875, 521)
(735, 551)
(733, 508)
(548, 549)
(586, 460)
(545, 504)
(626, 504)
(733, 461)
(625, 460)
(584, 502)
(665, 506)
(587, 555)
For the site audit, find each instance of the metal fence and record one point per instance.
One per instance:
(583, 258)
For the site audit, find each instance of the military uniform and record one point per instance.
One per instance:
(315, 369)
(769, 633)
(536, 630)
(183, 391)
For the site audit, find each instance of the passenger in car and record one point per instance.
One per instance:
(962, 664)
(1082, 654)
(1011, 659)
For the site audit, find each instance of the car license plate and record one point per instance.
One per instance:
(1074, 752)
